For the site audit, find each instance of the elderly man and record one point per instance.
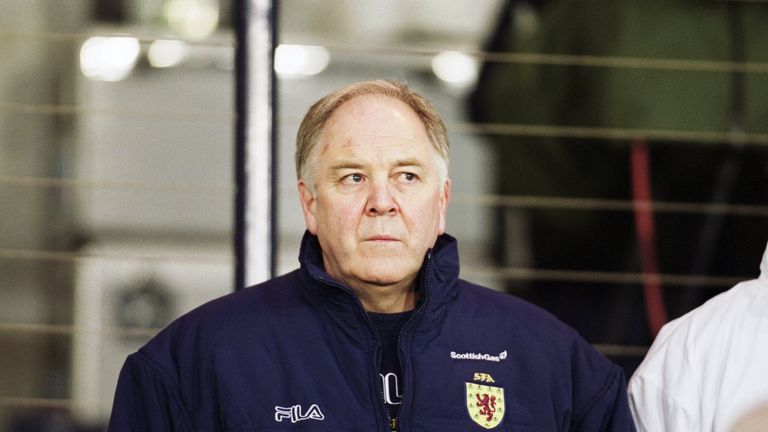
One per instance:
(375, 331)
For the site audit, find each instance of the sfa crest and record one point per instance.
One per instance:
(485, 404)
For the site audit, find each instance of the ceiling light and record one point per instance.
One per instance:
(109, 58)
(300, 60)
(192, 19)
(455, 68)
(165, 53)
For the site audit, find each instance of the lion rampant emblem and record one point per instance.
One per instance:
(485, 404)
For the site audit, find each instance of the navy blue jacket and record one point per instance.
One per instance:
(299, 353)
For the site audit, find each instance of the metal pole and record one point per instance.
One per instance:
(255, 142)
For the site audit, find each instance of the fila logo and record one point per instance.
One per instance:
(295, 415)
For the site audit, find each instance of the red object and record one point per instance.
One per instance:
(646, 237)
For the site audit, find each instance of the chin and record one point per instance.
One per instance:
(383, 280)
(387, 270)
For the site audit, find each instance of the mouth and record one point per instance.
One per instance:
(381, 238)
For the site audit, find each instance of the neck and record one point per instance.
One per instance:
(386, 299)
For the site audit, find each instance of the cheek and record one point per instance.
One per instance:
(429, 218)
(339, 216)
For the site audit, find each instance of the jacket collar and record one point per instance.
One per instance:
(437, 279)
(764, 265)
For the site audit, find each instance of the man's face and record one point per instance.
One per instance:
(379, 203)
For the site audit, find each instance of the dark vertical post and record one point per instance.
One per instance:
(255, 227)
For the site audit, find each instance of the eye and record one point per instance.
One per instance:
(352, 179)
(408, 177)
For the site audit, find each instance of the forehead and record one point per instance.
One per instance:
(373, 126)
(373, 115)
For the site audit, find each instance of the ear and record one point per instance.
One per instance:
(308, 204)
(445, 198)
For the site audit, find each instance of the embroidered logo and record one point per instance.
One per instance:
(483, 377)
(295, 414)
(392, 394)
(477, 356)
(485, 404)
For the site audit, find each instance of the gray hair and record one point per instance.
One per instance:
(318, 114)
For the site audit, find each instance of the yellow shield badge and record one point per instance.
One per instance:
(485, 404)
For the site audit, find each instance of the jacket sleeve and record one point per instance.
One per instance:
(599, 393)
(145, 400)
(608, 410)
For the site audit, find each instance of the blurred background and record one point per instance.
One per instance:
(609, 163)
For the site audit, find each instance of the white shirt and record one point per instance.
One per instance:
(708, 370)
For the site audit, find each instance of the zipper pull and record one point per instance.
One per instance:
(393, 424)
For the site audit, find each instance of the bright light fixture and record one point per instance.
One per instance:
(109, 58)
(193, 19)
(164, 53)
(455, 68)
(300, 60)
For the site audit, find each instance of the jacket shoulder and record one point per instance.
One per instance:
(232, 317)
(477, 302)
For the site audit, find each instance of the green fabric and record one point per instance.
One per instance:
(634, 98)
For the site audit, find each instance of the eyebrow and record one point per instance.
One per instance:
(409, 162)
(342, 165)
(346, 165)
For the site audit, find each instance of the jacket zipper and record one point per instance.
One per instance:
(377, 369)
(427, 268)
(391, 423)
(377, 358)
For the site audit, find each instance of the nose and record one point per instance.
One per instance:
(380, 200)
